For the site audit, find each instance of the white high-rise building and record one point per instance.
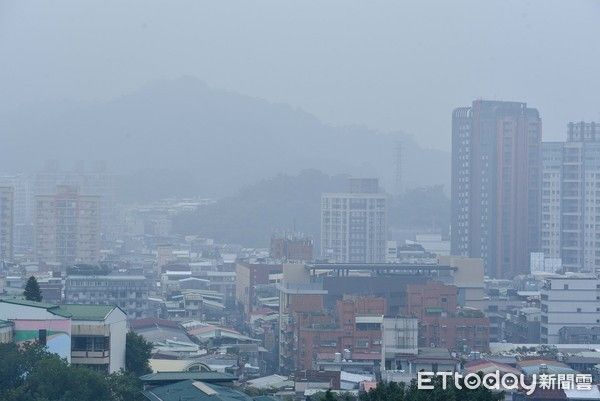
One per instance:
(354, 224)
(568, 301)
(571, 198)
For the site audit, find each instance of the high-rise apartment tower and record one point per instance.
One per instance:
(496, 179)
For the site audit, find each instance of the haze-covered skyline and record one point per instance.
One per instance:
(390, 66)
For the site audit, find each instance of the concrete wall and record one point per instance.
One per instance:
(117, 320)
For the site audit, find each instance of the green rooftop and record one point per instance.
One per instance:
(75, 312)
(209, 377)
(24, 302)
(84, 312)
(197, 391)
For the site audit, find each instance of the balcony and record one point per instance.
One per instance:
(90, 357)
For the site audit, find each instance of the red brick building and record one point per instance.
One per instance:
(350, 327)
(422, 299)
(441, 322)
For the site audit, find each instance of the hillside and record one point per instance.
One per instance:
(292, 202)
(251, 216)
(181, 137)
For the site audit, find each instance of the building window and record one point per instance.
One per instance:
(90, 343)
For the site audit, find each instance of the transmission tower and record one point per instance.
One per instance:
(398, 164)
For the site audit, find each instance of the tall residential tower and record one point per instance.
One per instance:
(67, 227)
(496, 178)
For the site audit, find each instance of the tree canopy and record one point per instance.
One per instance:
(402, 392)
(391, 391)
(32, 290)
(30, 373)
(137, 354)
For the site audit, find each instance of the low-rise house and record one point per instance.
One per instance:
(486, 366)
(579, 335)
(583, 363)
(98, 334)
(271, 382)
(544, 366)
(89, 335)
(167, 337)
(177, 365)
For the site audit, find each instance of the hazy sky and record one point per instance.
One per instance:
(392, 65)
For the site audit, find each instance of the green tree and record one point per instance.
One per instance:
(32, 373)
(548, 351)
(137, 354)
(125, 386)
(12, 368)
(53, 379)
(331, 396)
(401, 392)
(32, 290)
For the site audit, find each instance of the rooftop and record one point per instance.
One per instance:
(209, 377)
(108, 278)
(24, 302)
(268, 382)
(195, 390)
(75, 312)
(87, 312)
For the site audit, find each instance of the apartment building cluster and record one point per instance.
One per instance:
(571, 198)
(513, 195)
(331, 316)
(58, 216)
